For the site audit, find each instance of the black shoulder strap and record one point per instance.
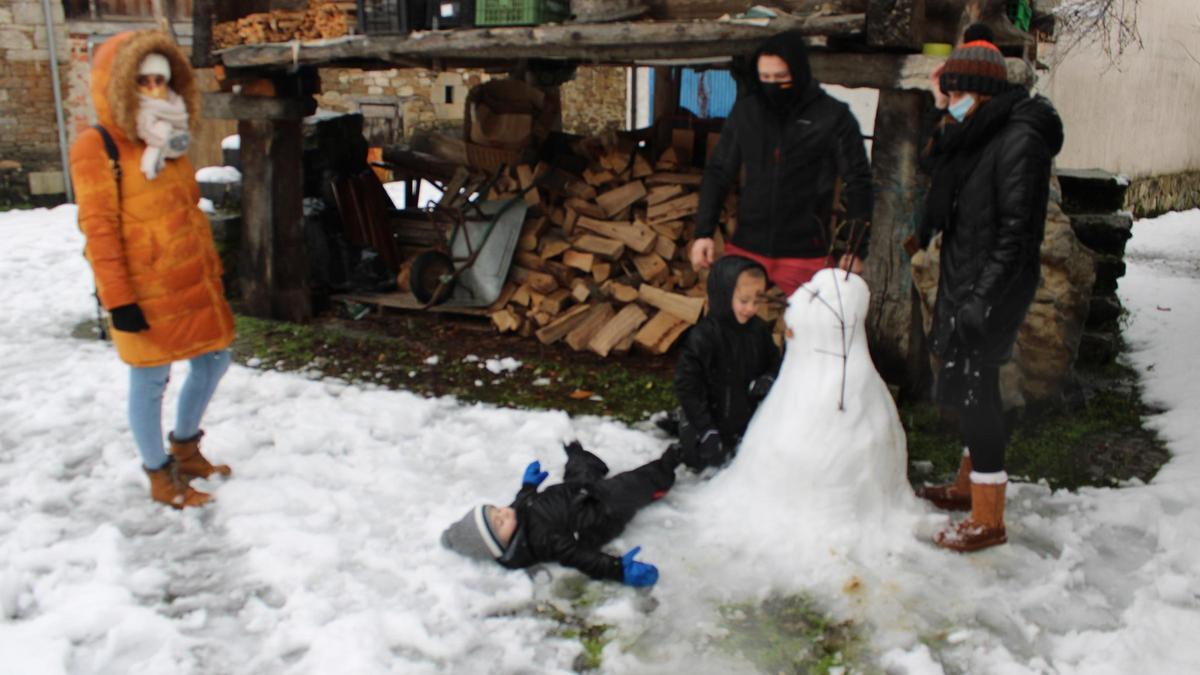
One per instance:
(110, 147)
(114, 157)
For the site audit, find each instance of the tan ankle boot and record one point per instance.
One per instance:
(982, 529)
(168, 487)
(191, 463)
(954, 496)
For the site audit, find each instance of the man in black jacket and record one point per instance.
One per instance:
(990, 151)
(794, 142)
(569, 522)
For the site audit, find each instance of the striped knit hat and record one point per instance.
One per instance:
(472, 536)
(976, 66)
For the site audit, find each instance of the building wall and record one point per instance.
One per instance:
(1139, 117)
(29, 145)
(593, 102)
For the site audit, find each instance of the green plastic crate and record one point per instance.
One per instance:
(519, 12)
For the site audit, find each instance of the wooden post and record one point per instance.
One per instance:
(202, 21)
(274, 272)
(897, 343)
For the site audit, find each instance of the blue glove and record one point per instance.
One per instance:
(637, 573)
(534, 474)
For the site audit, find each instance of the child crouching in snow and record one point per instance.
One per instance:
(727, 365)
(569, 522)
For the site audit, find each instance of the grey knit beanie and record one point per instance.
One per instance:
(472, 536)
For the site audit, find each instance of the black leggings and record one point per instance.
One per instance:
(981, 422)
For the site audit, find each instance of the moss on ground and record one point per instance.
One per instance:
(791, 635)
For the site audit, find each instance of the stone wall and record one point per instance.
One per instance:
(593, 102)
(29, 150)
(1155, 195)
(1048, 342)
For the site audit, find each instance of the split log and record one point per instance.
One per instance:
(641, 168)
(662, 193)
(675, 178)
(506, 320)
(620, 292)
(601, 271)
(593, 320)
(651, 268)
(672, 229)
(665, 247)
(681, 306)
(580, 290)
(552, 246)
(584, 262)
(555, 302)
(622, 326)
(561, 325)
(585, 208)
(637, 237)
(660, 332)
(614, 201)
(538, 281)
(601, 246)
(674, 209)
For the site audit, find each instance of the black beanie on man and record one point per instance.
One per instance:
(976, 66)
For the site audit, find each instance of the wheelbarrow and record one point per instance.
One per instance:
(482, 240)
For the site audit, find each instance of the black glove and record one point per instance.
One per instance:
(712, 450)
(968, 321)
(760, 387)
(129, 318)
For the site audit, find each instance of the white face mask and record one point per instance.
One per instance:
(959, 110)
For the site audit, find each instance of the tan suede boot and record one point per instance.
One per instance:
(982, 529)
(954, 496)
(191, 463)
(168, 487)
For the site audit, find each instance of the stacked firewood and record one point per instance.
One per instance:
(319, 21)
(602, 260)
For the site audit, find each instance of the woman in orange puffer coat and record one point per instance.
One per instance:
(151, 250)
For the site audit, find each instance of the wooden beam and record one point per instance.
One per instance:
(223, 106)
(617, 42)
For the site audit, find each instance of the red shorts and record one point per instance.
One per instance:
(786, 273)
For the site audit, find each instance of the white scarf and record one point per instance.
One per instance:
(163, 126)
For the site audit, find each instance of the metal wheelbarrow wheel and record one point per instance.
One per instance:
(432, 277)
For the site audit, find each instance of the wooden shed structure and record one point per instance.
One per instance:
(856, 43)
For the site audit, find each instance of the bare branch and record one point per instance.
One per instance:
(1109, 24)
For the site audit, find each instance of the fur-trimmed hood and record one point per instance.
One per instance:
(114, 79)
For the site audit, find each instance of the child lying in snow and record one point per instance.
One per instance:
(569, 522)
(727, 365)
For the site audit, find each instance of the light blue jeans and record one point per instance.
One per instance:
(146, 388)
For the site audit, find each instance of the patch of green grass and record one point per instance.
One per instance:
(1100, 440)
(592, 636)
(791, 635)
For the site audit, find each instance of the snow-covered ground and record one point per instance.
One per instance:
(321, 553)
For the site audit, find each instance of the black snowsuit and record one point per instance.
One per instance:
(569, 522)
(792, 158)
(719, 360)
(991, 180)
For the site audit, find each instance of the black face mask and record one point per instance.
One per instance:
(779, 96)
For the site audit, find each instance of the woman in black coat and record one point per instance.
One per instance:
(990, 151)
